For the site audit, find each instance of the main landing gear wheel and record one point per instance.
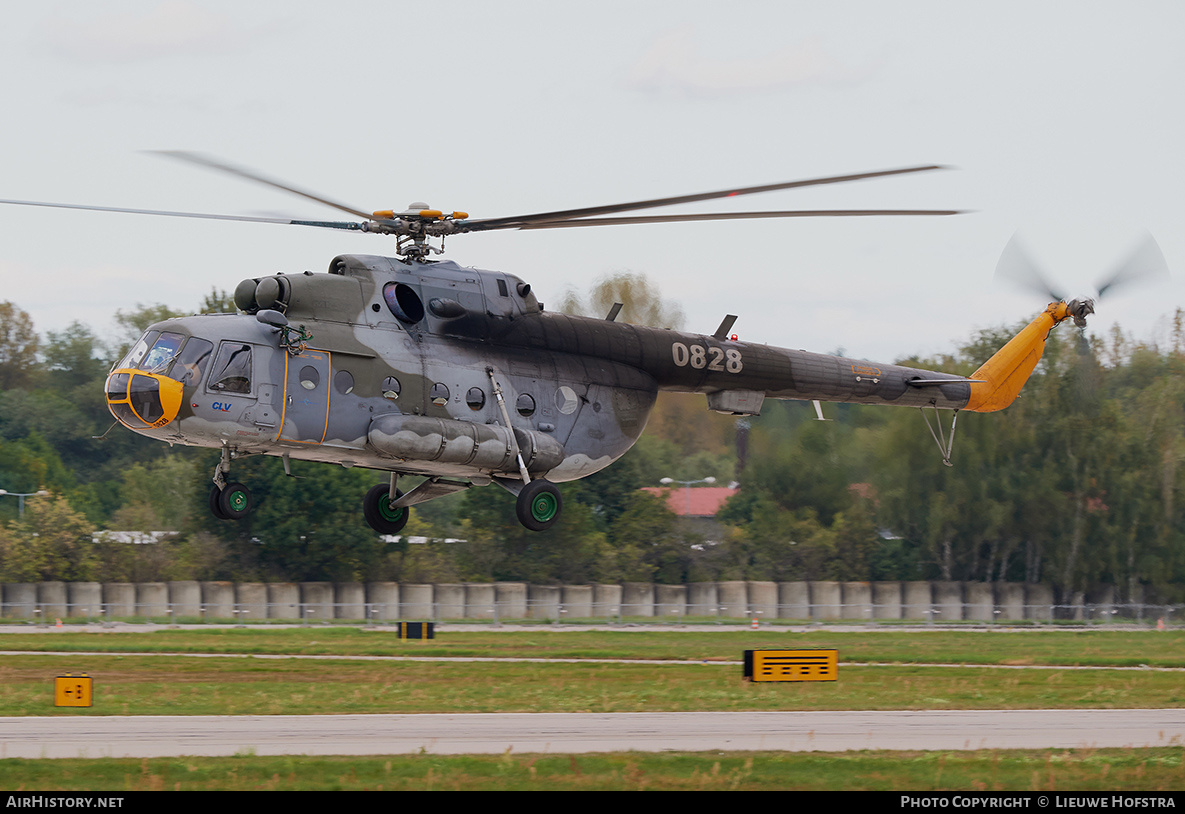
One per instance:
(380, 514)
(231, 502)
(538, 505)
(215, 509)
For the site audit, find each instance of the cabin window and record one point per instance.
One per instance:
(525, 405)
(502, 290)
(309, 377)
(343, 382)
(438, 395)
(191, 361)
(475, 398)
(391, 388)
(232, 369)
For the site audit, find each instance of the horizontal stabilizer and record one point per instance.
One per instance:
(933, 382)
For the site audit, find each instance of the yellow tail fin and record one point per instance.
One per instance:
(1002, 376)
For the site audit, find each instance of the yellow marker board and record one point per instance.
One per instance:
(417, 630)
(72, 691)
(792, 665)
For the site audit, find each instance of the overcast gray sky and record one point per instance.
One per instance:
(1064, 121)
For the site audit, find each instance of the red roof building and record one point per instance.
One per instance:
(701, 501)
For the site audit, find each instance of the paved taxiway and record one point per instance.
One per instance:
(157, 736)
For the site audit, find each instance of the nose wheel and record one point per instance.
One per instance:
(231, 502)
(228, 501)
(538, 505)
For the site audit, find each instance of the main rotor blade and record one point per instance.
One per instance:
(798, 213)
(520, 221)
(210, 163)
(1016, 265)
(1145, 263)
(324, 224)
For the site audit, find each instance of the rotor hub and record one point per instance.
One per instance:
(1080, 310)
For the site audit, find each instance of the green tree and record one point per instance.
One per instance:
(18, 347)
(642, 303)
(50, 541)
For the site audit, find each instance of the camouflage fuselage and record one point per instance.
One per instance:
(394, 343)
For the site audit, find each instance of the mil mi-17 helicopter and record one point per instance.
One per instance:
(419, 366)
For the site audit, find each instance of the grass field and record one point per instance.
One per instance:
(996, 647)
(134, 673)
(999, 770)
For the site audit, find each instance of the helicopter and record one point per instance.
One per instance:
(414, 365)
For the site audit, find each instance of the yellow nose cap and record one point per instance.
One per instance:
(140, 400)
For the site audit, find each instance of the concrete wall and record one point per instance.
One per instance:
(218, 598)
(543, 602)
(857, 600)
(670, 601)
(702, 600)
(349, 600)
(86, 599)
(826, 600)
(152, 601)
(932, 602)
(450, 601)
(576, 602)
(119, 599)
(886, 600)
(733, 599)
(283, 600)
(917, 601)
(607, 601)
(763, 600)
(251, 601)
(186, 598)
(415, 601)
(510, 600)
(637, 599)
(316, 601)
(979, 602)
(479, 601)
(383, 600)
(794, 600)
(948, 601)
(1010, 597)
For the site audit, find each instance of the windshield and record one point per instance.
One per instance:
(163, 351)
(138, 350)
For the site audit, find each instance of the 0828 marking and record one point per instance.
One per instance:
(715, 359)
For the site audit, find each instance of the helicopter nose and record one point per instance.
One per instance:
(140, 400)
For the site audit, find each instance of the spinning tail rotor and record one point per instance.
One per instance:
(1144, 264)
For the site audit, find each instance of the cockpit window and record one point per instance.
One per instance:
(163, 351)
(138, 350)
(232, 369)
(191, 361)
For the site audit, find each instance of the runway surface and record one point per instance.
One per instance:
(161, 736)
